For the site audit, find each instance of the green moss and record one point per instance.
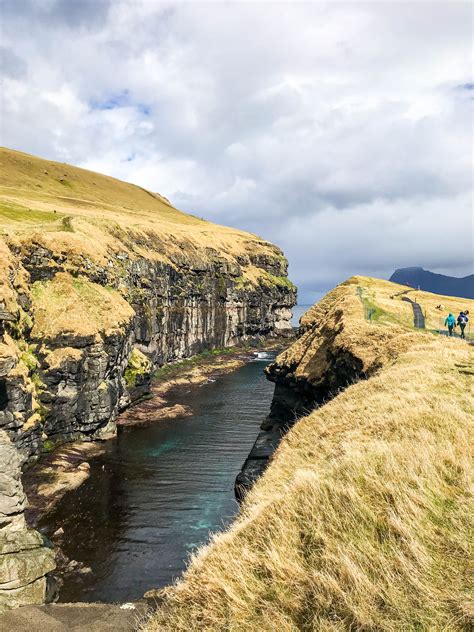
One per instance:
(29, 359)
(278, 281)
(242, 283)
(138, 365)
(48, 445)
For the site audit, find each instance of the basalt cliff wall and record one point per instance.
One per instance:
(100, 282)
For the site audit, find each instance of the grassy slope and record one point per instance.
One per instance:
(72, 210)
(65, 305)
(362, 520)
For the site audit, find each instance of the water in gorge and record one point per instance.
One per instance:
(158, 491)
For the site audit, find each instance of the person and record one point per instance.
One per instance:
(462, 322)
(451, 323)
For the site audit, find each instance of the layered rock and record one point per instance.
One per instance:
(105, 281)
(101, 282)
(25, 560)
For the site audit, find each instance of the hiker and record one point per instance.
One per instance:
(462, 322)
(451, 323)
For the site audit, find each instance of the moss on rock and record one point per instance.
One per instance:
(138, 366)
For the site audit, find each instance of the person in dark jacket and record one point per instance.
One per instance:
(462, 322)
(451, 323)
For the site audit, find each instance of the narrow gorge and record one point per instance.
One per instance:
(361, 518)
(101, 282)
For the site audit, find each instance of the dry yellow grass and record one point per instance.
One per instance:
(85, 219)
(362, 520)
(72, 211)
(66, 306)
(388, 298)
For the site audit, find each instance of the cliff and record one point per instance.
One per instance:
(362, 519)
(102, 281)
(25, 559)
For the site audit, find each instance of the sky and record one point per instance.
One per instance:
(341, 131)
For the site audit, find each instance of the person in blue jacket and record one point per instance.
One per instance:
(462, 322)
(451, 323)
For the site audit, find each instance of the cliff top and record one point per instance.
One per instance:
(73, 211)
(368, 318)
(362, 519)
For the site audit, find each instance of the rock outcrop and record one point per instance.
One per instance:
(101, 282)
(25, 559)
(104, 282)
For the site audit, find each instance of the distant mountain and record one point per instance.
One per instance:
(437, 283)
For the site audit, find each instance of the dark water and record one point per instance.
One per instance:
(158, 491)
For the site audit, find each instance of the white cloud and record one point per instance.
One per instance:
(339, 130)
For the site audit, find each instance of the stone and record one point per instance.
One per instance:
(24, 567)
(25, 560)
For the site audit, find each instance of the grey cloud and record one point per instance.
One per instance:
(336, 130)
(11, 65)
(71, 13)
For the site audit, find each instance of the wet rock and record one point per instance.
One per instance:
(25, 561)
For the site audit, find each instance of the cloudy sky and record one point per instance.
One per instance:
(340, 131)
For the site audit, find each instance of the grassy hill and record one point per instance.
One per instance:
(362, 520)
(74, 211)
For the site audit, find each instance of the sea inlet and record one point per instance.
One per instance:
(159, 491)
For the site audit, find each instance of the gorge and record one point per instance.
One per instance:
(354, 497)
(102, 282)
(362, 516)
(158, 490)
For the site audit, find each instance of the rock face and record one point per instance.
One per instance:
(60, 385)
(107, 285)
(99, 284)
(25, 560)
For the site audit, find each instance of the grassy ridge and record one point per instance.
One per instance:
(73, 211)
(362, 520)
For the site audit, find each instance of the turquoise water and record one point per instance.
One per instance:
(160, 490)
